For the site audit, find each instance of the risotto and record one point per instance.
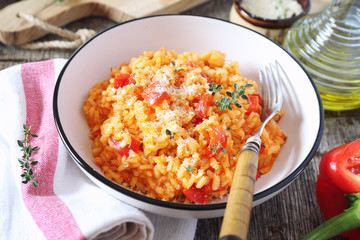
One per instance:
(171, 126)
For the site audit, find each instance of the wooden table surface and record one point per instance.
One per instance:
(290, 214)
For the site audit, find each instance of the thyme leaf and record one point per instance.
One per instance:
(216, 147)
(25, 163)
(169, 133)
(213, 87)
(178, 70)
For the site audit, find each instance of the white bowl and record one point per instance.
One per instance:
(91, 63)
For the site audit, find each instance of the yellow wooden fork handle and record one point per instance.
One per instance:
(238, 210)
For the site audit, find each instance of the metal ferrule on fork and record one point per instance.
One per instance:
(253, 143)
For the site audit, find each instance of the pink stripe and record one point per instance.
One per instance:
(49, 212)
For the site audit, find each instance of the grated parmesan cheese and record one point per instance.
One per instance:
(272, 9)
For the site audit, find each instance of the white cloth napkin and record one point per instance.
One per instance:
(66, 204)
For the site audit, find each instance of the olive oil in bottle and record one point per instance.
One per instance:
(328, 45)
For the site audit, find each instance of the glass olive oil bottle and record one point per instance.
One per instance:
(328, 45)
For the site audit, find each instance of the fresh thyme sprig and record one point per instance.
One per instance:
(240, 91)
(25, 163)
(213, 87)
(215, 148)
(226, 102)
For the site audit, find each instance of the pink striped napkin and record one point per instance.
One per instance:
(66, 204)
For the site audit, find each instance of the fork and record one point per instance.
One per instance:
(238, 209)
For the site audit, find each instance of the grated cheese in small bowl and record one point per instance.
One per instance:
(272, 9)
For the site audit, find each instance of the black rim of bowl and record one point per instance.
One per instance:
(172, 205)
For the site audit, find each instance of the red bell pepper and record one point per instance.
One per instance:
(155, 93)
(134, 146)
(204, 104)
(195, 195)
(123, 79)
(200, 195)
(217, 143)
(255, 102)
(337, 188)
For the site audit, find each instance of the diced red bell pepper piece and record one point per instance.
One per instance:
(218, 139)
(123, 79)
(255, 102)
(195, 195)
(199, 195)
(208, 188)
(155, 93)
(205, 102)
(134, 146)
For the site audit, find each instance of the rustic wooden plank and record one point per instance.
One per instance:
(19, 55)
(15, 30)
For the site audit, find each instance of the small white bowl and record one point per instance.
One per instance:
(303, 122)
